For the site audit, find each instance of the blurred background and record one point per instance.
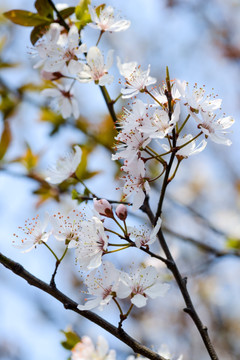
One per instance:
(200, 42)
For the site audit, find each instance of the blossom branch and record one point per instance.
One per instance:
(69, 304)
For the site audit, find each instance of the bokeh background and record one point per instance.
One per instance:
(200, 42)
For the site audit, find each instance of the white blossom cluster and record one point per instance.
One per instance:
(147, 125)
(90, 240)
(159, 121)
(148, 131)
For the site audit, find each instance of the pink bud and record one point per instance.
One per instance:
(103, 207)
(51, 75)
(121, 212)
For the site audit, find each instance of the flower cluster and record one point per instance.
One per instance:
(159, 124)
(61, 55)
(88, 237)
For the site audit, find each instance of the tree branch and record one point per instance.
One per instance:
(69, 304)
(182, 284)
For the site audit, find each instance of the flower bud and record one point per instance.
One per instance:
(103, 207)
(121, 212)
(46, 75)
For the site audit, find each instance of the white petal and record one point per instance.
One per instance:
(139, 300)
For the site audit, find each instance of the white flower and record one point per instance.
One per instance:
(103, 284)
(85, 350)
(141, 285)
(161, 97)
(189, 149)
(64, 100)
(67, 228)
(159, 125)
(43, 46)
(34, 229)
(135, 182)
(214, 129)
(106, 21)
(65, 167)
(131, 139)
(136, 79)
(57, 49)
(95, 69)
(91, 245)
(196, 99)
(144, 237)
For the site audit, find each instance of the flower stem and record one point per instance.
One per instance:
(51, 250)
(99, 38)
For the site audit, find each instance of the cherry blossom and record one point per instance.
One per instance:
(141, 285)
(131, 140)
(196, 99)
(143, 236)
(85, 350)
(65, 167)
(102, 284)
(91, 245)
(214, 129)
(190, 149)
(34, 233)
(136, 79)
(56, 50)
(160, 94)
(159, 124)
(95, 69)
(64, 100)
(135, 182)
(67, 228)
(106, 20)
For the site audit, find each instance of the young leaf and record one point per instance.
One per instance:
(5, 139)
(82, 13)
(38, 32)
(26, 18)
(71, 340)
(65, 13)
(44, 8)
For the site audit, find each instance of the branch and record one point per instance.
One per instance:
(201, 245)
(69, 304)
(190, 310)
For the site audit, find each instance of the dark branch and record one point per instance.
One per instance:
(72, 305)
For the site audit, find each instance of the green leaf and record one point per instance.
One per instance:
(5, 139)
(82, 13)
(26, 18)
(71, 339)
(38, 32)
(65, 13)
(44, 8)
(233, 243)
(8, 104)
(7, 65)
